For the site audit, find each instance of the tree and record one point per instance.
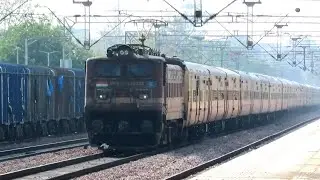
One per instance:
(42, 36)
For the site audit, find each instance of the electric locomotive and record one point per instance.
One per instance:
(124, 104)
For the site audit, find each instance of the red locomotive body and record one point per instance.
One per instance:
(123, 106)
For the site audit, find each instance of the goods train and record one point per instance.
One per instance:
(136, 98)
(38, 101)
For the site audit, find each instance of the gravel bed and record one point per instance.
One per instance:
(167, 164)
(37, 160)
(39, 141)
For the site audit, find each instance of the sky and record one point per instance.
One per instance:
(159, 7)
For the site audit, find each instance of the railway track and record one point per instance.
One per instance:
(11, 154)
(233, 154)
(76, 167)
(80, 166)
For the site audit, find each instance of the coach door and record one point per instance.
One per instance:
(205, 97)
(193, 98)
(209, 98)
(197, 99)
(213, 83)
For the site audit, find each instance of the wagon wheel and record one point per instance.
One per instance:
(19, 131)
(52, 128)
(11, 132)
(28, 131)
(2, 134)
(65, 126)
(44, 128)
(81, 125)
(72, 125)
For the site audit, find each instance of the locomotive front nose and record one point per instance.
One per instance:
(124, 101)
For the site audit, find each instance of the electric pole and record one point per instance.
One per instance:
(250, 5)
(294, 40)
(304, 57)
(279, 43)
(48, 55)
(17, 49)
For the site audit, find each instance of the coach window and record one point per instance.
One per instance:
(172, 90)
(177, 89)
(194, 95)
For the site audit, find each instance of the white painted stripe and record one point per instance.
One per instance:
(102, 85)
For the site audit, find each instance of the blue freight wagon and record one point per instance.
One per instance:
(13, 101)
(78, 98)
(37, 101)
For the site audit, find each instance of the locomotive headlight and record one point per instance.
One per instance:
(102, 96)
(121, 52)
(143, 96)
(126, 52)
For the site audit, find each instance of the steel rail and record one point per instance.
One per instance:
(237, 152)
(42, 146)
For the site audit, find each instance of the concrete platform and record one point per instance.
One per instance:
(293, 156)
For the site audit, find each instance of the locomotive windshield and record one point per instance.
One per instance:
(140, 70)
(115, 69)
(107, 69)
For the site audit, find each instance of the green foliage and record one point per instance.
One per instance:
(42, 36)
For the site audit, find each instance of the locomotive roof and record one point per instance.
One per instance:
(135, 56)
(229, 72)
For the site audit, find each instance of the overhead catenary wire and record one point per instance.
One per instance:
(10, 13)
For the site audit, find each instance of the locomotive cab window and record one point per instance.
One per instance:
(140, 70)
(107, 69)
(116, 69)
